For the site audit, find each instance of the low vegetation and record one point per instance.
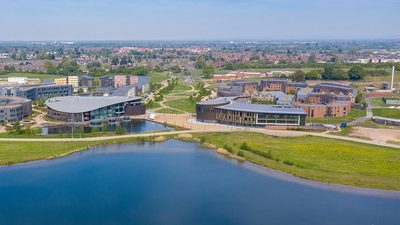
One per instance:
(388, 113)
(342, 162)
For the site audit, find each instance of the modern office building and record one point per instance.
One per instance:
(86, 81)
(18, 80)
(83, 109)
(36, 92)
(73, 80)
(229, 111)
(107, 81)
(14, 109)
(60, 81)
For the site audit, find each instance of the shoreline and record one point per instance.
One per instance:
(220, 152)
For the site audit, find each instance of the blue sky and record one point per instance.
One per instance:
(198, 19)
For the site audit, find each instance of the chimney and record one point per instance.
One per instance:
(392, 83)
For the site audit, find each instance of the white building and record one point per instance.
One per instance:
(18, 80)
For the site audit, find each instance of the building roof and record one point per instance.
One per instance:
(217, 101)
(259, 108)
(123, 91)
(79, 104)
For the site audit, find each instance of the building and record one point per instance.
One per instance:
(229, 111)
(107, 81)
(236, 88)
(60, 81)
(333, 109)
(36, 92)
(335, 88)
(73, 80)
(14, 109)
(124, 80)
(281, 85)
(17, 80)
(86, 81)
(83, 109)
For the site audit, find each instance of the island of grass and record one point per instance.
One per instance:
(315, 158)
(387, 113)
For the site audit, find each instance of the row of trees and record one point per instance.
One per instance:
(333, 72)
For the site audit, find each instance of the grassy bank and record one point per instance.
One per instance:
(388, 113)
(342, 162)
(185, 105)
(41, 76)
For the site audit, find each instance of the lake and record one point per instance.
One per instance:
(133, 126)
(177, 182)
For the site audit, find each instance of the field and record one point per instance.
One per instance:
(180, 88)
(182, 104)
(388, 113)
(342, 162)
(354, 114)
(157, 77)
(31, 75)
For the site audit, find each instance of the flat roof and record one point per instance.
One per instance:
(81, 104)
(260, 108)
(217, 101)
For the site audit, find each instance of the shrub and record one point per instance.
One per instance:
(289, 163)
(203, 139)
(228, 148)
(241, 154)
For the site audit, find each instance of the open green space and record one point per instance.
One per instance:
(168, 111)
(388, 113)
(354, 114)
(41, 76)
(180, 88)
(157, 77)
(182, 104)
(315, 158)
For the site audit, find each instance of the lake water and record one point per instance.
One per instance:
(174, 183)
(133, 126)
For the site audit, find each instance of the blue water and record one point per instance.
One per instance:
(173, 183)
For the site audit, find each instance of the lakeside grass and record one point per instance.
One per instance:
(388, 113)
(315, 158)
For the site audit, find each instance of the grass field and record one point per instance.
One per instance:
(31, 75)
(388, 113)
(317, 158)
(182, 104)
(153, 105)
(169, 111)
(354, 114)
(180, 88)
(157, 77)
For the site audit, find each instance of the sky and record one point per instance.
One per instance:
(198, 19)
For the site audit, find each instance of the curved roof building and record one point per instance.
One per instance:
(81, 109)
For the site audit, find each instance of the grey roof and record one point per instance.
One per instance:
(217, 101)
(259, 108)
(79, 104)
(123, 91)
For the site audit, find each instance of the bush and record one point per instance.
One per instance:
(289, 163)
(245, 146)
(241, 154)
(228, 148)
(203, 139)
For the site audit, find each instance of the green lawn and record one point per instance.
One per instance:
(316, 158)
(388, 113)
(157, 77)
(354, 114)
(169, 111)
(153, 105)
(180, 88)
(182, 104)
(30, 75)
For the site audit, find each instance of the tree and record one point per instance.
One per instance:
(331, 72)
(357, 72)
(50, 68)
(208, 71)
(298, 76)
(200, 64)
(313, 75)
(176, 69)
